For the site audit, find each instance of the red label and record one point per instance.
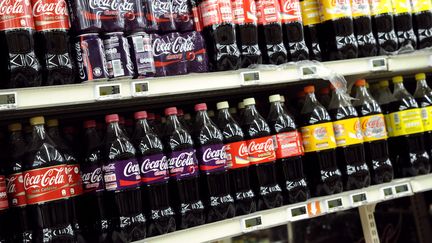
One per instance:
(289, 144)
(290, 11)
(50, 14)
(267, 11)
(215, 12)
(261, 150)
(197, 19)
(15, 190)
(15, 14)
(3, 194)
(237, 155)
(74, 179)
(46, 184)
(244, 11)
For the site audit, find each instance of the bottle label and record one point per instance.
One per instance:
(75, 181)
(15, 190)
(92, 178)
(310, 12)
(288, 144)
(197, 19)
(347, 132)
(401, 6)
(121, 174)
(237, 155)
(373, 127)
(268, 11)
(261, 150)
(290, 11)
(154, 168)
(4, 204)
(360, 8)
(215, 12)
(426, 113)
(212, 158)
(318, 137)
(183, 164)
(46, 184)
(405, 122)
(421, 5)
(50, 15)
(244, 11)
(378, 7)
(15, 14)
(335, 9)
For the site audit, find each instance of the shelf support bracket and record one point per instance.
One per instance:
(367, 218)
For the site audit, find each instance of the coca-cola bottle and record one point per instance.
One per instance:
(311, 19)
(237, 160)
(154, 177)
(423, 96)
(93, 216)
(52, 41)
(182, 14)
(215, 184)
(20, 227)
(49, 211)
(262, 157)
(183, 170)
(289, 152)
(133, 13)
(18, 59)
(122, 180)
(403, 24)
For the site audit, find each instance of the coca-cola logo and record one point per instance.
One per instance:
(210, 154)
(123, 6)
(180, 6)
(11, 183)
(55, 8)
(291, 6)
(9, 7)
(161, 7)
(340, 2)
(320, 133)
(263, 147)
(179, 45)
(375, 122)
(154, 165)
(131, 169)
(182, 160)
(94, 176)
(51, 177)
(243, 150)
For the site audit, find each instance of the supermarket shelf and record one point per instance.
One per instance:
(312, 208)
(120, 90)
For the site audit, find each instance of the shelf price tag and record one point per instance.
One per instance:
(297, 213)
(251, 223)
(334, 204)
(140, 88)
(108, 91)
(378, 64)
(359, 199)
(403, 190)
(387, 192)
(250, 78)
(308, 72)
(8, 101)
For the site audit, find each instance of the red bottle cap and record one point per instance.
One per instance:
(325, 90)
(171, 111)
(111, 118)
(201, 107)
(121, 120)
(309, 89)
(360, 82)
(140, 115)
(151, 116)
(180, 112)
(89, 123)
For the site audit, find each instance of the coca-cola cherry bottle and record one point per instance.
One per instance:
(44, 167)
(183, 170)
(20, 227)
(93, 216)
(122, 180)
(262, 157)
(212, 160)
(289, 152)
(237, 160)
(154, 177)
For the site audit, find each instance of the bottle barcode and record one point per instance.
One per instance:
(117, 68)
(396, 118)
(138, 44)
(424, 113)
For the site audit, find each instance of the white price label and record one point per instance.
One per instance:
(402, 190)
(359, 199)
(8, 101)
(140, 88)
(334, 204)
(251, 223)
(250, 77)
(297, 213)
(308, 72)
(378, 64)
(108, 92)
(387, 192)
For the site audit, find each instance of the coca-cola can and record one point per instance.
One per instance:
(142, 54)
(90, 58)
(118, 56)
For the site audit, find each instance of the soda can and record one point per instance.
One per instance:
(90, 58)
(142, 54)
(118, 56)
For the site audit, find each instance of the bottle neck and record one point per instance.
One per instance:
(203, 117)
(144, 125)
(16, 135)
(92, 139)
(362, 92)
(114, 128)
(276, 107)
(310, 97)
(398, 87)
(39, 131)
(173, 121)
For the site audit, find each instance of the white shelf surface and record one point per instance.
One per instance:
(314, 207)
(40, 97)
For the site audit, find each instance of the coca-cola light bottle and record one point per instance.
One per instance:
(154, 177)
(183, 170)
(262, 155)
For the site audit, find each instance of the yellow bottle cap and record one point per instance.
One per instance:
(397, 79)
(420, 76)
(52, 123)
(15, 127)
(384, 83)
(37, 120)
